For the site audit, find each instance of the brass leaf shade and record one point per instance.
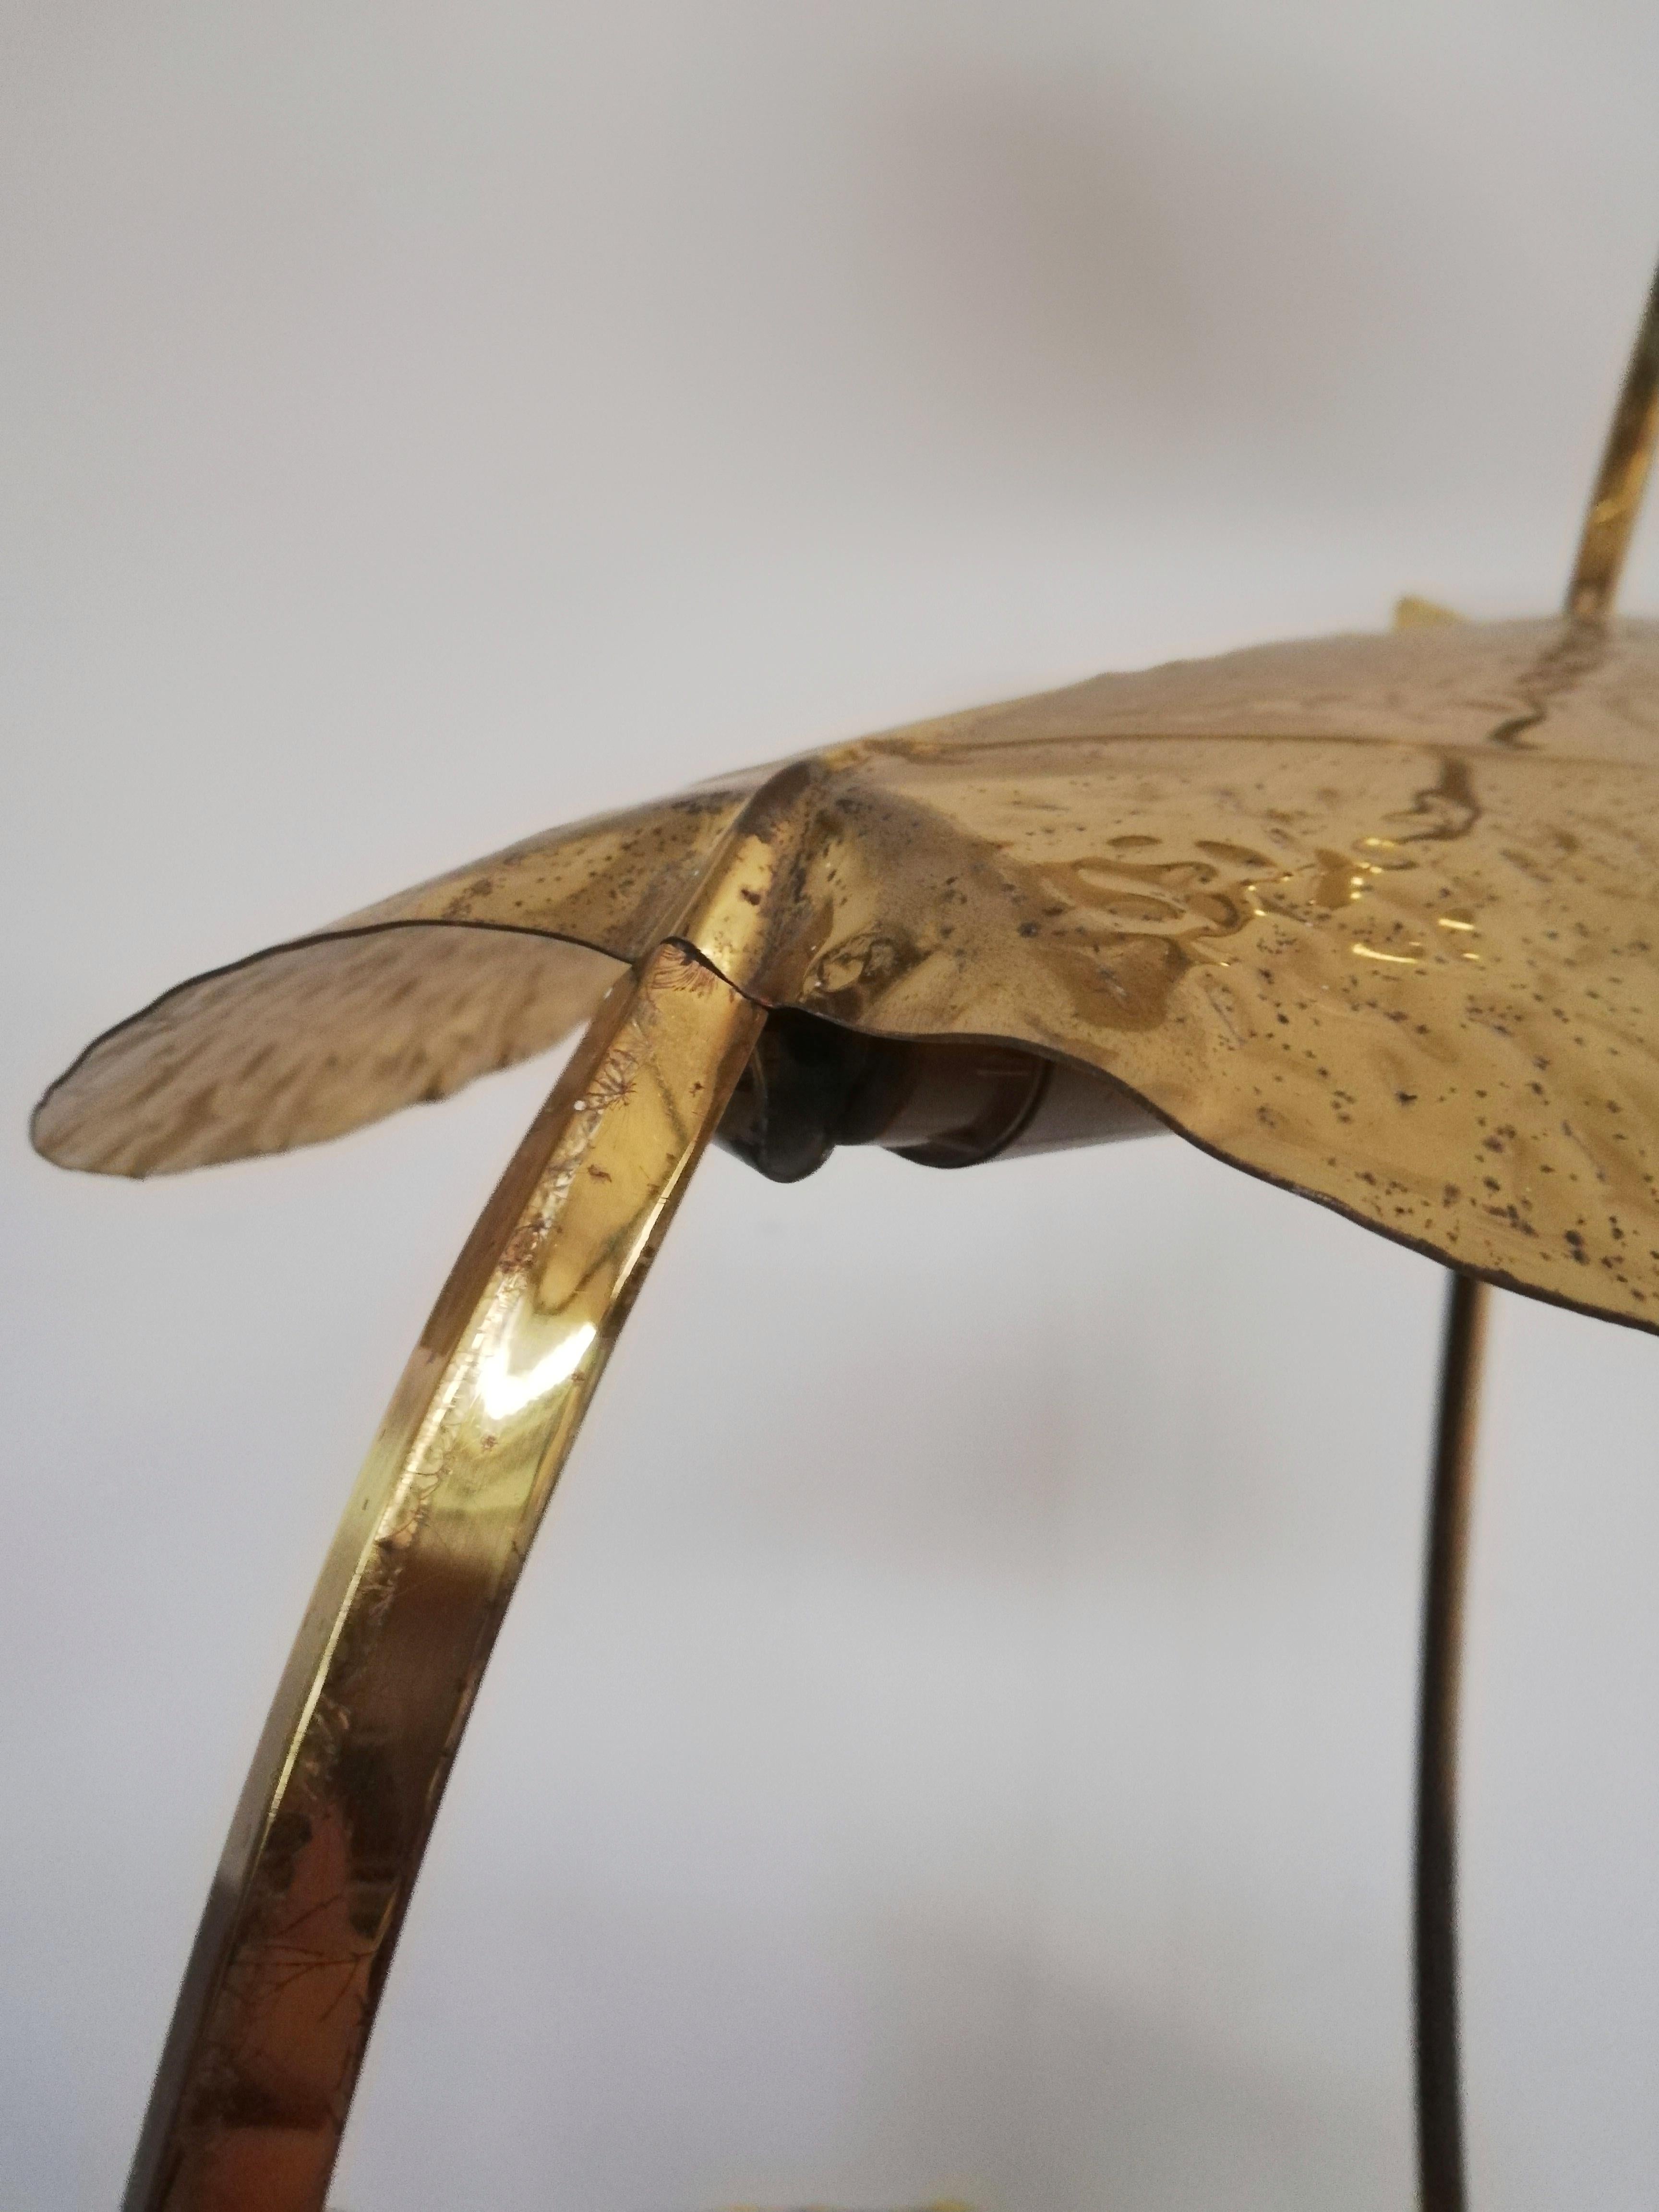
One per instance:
(1372, 917)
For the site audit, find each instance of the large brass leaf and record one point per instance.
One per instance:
(1374, 917)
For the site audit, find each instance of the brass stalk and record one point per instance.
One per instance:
(1622, 479)
(1439, 2098)
(281, 1992)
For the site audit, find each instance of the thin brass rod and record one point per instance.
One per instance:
(1439, 2099)
(282, 1989)
(1617, 498)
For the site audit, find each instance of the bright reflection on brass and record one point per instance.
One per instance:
(1373, 917)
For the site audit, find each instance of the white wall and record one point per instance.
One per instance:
(954, 1735)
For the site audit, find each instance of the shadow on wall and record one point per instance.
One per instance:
(1108, 2114)
(1070, 256)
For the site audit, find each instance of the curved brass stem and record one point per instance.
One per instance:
(281, 1992)
(1617, 499)
(1439, 2106)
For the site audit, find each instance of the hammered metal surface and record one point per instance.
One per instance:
(312, 1040)
(1373, 917)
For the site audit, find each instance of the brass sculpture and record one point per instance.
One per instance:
(1373, 918)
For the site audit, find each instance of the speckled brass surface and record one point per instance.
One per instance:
(1374, 917)
(287, 1969)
